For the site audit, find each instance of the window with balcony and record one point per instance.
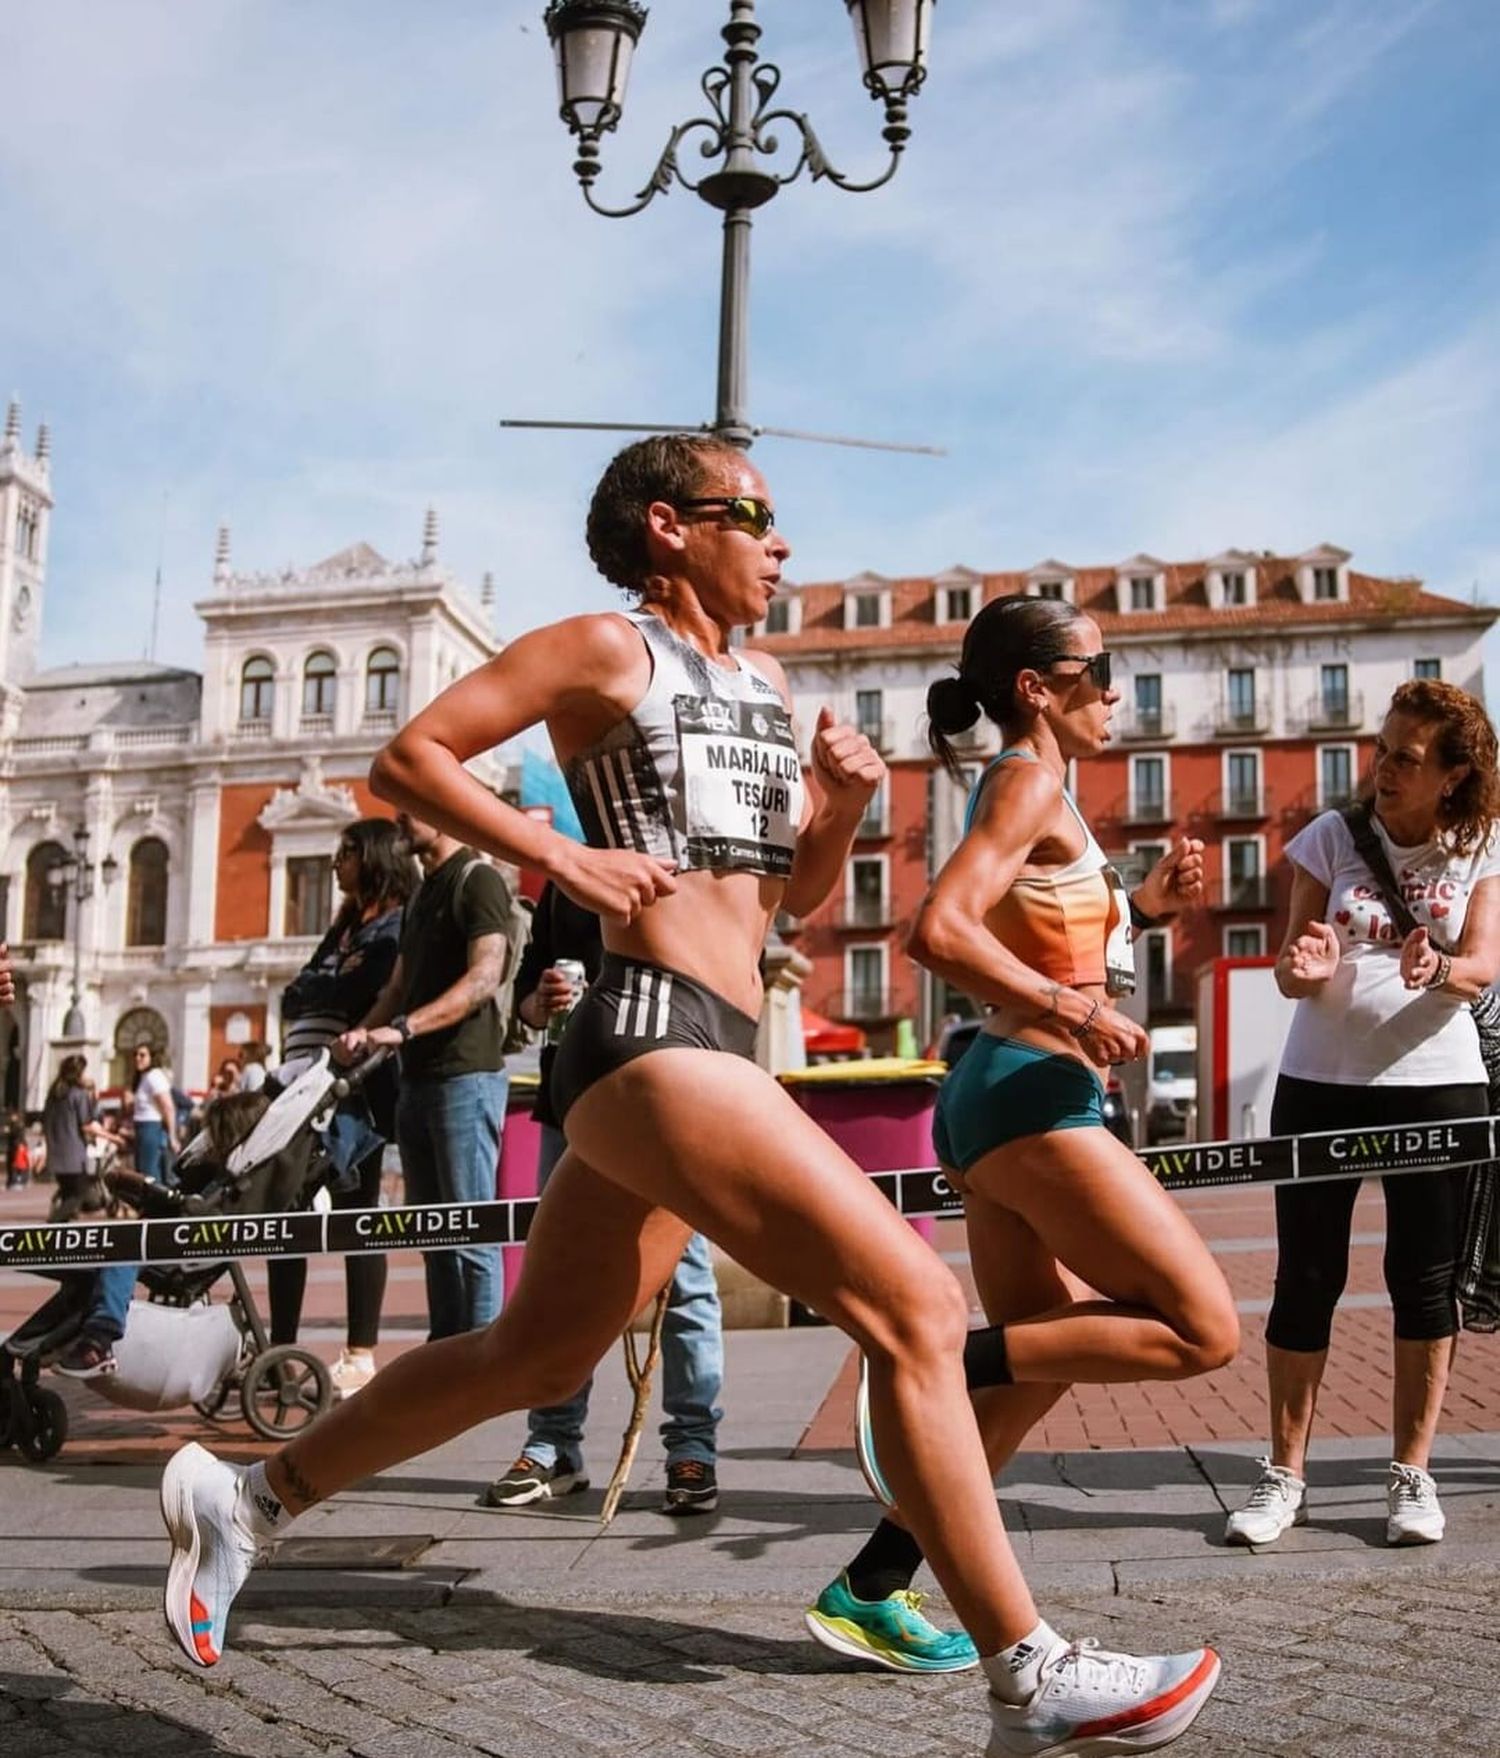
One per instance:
(1325, 584)
(1245, 941)
(382, 681)
(865, 903)
(1148, 787)
(1143, 593)
(1239, 697)
(873, 823)
(1244, 878)
(1242, 784)
(1148, 716)
(257, 688)
(778, 616)
(869, 716)
(1335, 776)
(1156, 967)
(309, 894)
(45, 916)
(864, 968)
(146, 900)
(1427, 668)
(1333, 694)
(319, 680)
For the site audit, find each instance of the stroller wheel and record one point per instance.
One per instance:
(44, 1429)
(283, 1391)
(211, 1408)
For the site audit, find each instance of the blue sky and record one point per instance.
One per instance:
(1170, 275)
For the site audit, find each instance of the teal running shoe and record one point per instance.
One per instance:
(891, 1632)
(864, 1439)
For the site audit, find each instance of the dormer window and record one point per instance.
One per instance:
(778, 617)
(957, 594)
(1230, 580)
(958, 604)
(1051, 579)
(867, 603)
(1141, 585)
(1323, 575)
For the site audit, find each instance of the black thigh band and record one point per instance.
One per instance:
(632, 1009)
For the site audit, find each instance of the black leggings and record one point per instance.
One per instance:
(364, 1272)
(1423, 1215)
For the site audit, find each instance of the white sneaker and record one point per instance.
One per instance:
(213, 1548)
(1413, 1514)
(1278, 1500)
(353, 1369)
(1092, 1702)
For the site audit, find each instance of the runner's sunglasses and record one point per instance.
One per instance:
(746, 512)
(1095, 665)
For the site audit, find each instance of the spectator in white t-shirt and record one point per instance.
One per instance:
(1383, 1036)
(154, 1116)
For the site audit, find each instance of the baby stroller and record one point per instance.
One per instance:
(181, 1347)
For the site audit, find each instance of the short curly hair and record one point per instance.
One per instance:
(1468, 816)
(666, 467)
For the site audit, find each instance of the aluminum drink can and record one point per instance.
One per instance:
(573, 970)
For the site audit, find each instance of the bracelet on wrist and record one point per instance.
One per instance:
(1441, 974)
(1085, 1026)
(1139, 918)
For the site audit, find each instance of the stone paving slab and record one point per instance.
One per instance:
(1348, 1668)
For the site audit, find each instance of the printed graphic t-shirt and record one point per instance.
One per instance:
(1365, 1027)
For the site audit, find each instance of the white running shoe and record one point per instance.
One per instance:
(1279, 1500)
(354, 1369)
(1413, 1513)
(1092, 1702)
(864, 1439)
(213, 1548)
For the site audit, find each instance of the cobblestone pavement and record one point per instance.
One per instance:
(1366, 1668)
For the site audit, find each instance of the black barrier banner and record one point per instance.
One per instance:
(1416, 1148)
(917, 1192)
(194, 1237)
(1198, 1165)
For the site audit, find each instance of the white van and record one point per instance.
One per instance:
(1171, 1083)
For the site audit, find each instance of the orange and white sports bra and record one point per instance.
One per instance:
(1072, 925)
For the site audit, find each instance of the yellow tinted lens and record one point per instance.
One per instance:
(750, 515)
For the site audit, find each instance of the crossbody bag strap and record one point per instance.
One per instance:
(1372, 852)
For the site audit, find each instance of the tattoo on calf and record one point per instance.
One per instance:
(298, 1484)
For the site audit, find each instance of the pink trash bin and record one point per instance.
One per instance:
(515, 1173)
(880, 1117)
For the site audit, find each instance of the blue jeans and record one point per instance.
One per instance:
(692, 1360)
(103, 1297)
(448, 1132)
(151, 1151)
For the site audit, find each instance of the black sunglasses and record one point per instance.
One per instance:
(747, 512)
(1095, 665)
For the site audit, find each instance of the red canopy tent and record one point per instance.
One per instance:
(825, 1037)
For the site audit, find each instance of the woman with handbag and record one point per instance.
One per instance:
(1394, 930)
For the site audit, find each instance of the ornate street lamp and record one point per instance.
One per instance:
(74, 875)
(594, 42)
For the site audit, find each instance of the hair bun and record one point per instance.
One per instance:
(953, 704)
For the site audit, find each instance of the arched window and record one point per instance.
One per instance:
(319, 676)
(46, 902)
(382, 681)
(257, 682)
(146, 905)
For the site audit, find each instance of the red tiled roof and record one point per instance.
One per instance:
(1188, 612)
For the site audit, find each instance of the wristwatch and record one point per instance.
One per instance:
(401, 1024)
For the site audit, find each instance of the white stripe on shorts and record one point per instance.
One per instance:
(643, 1006)
(622, 1017)
(663, 1005)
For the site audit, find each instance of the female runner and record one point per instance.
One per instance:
(681, 757)
(1087, 1270)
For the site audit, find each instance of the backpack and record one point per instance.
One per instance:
(517, 934)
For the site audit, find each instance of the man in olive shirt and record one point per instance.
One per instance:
(438, 1010)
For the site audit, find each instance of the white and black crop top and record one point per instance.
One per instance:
(702, 772)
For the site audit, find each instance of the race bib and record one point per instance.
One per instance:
(741, 784)
(1119, 954)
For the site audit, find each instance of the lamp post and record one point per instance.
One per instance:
(594, 41)
(74, 876)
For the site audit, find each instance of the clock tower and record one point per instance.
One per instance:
(25, 514)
